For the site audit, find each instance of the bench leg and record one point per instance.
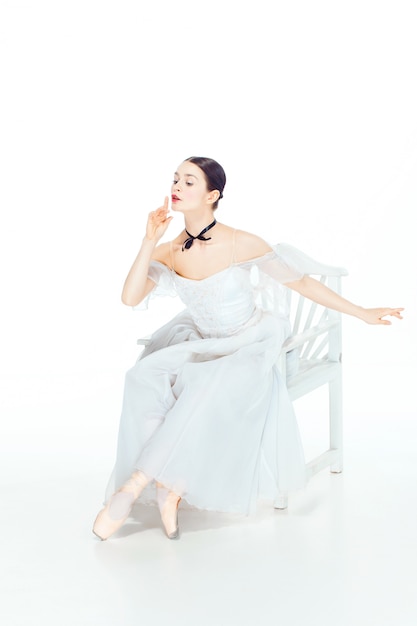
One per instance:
(281, 501)
(336, 422)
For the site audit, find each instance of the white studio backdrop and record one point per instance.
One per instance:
(309, 106)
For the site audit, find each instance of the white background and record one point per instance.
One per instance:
(311, 109)
(309, 106)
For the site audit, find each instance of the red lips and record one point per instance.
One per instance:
(174, 198)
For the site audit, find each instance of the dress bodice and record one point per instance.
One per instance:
(221, 304)
(228, 301)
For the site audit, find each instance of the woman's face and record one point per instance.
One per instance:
(189, 188)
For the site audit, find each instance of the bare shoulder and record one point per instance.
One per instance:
(250, 246)
(163, 252)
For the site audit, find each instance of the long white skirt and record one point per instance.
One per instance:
(210, 418)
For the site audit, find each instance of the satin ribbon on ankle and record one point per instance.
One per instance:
(189, 242)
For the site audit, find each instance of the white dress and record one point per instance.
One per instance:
(205, 411)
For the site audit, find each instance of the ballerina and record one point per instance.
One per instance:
(201, 404)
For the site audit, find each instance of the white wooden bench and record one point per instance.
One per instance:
(312, 357)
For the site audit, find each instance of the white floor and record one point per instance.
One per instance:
(344, 552)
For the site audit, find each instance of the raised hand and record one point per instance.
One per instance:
(158, 222)
(375, 316)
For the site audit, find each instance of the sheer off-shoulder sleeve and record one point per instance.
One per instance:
(161, 275)
(282, 264)
(285, 264)
(270, 273)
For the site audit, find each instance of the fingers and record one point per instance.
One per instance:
(376, 316)
(164, 207)
(394, 313)
(163, 210)
(158, 221)
(161, 213)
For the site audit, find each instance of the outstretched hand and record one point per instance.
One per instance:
(158, 222)
(376, 316)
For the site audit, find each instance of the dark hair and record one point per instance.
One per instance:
(213, 172)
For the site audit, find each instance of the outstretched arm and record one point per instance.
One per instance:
(316, 291)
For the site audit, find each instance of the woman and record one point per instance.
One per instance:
(204, 402)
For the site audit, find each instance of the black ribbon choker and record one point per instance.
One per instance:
(189, 242)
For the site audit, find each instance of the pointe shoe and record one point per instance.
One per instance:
(119, 506)
(168, 502)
